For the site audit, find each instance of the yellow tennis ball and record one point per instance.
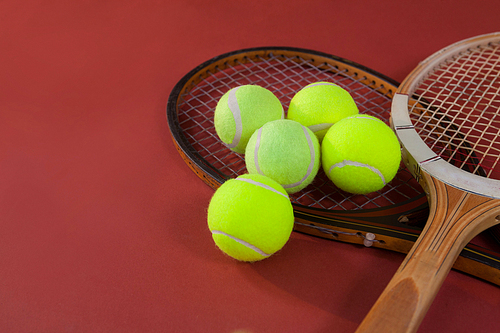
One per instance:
(241, 111)
(250, 217)
(285, 151)
(320, 105)
(360, 154)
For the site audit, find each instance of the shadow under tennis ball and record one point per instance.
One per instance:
(314, 270)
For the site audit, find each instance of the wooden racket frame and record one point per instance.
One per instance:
(462, 205)
(346, 226)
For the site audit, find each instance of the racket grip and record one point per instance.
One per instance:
(460, 216)
(403, 304)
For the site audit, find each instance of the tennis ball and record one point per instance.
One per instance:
(320, 105)
(250, 217)
(241, 111)
(285, 151)
(360, 154)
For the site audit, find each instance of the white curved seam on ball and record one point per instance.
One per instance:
(256, 151)
(310, 167)
(282, 112)
(364, 116)
(232, 103)
(321, 84)
(242, 242)
(357, 164)
(319, 127)
(267, 187)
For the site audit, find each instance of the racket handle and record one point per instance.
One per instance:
(403, 304)
(406, 299)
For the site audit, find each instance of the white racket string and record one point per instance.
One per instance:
(456, 110)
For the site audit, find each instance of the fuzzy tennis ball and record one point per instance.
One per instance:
(320, 105)
(241, 111)
(285, 151)
(250, 217)
(360, 154)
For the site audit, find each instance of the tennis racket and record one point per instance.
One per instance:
(448, 102)
(389, 219)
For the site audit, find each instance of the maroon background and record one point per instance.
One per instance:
(103, 226)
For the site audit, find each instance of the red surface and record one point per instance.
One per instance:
(102, 225)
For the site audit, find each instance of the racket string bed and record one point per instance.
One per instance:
(285, 75)
(468, 88)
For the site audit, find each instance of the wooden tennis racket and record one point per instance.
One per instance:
(386, 219)
(450, 101)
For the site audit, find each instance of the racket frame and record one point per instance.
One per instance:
(417, 156)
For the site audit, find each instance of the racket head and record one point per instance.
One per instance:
(394, 215)
(284, 71)
(446, 114)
